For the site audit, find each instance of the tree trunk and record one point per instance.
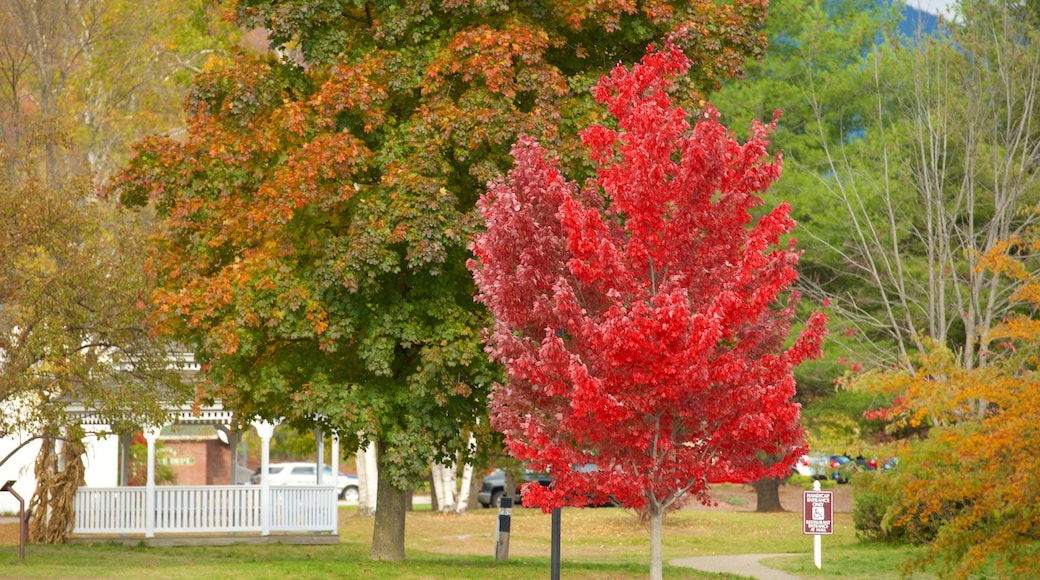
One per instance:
(443, 477)
(472, 502)
(466, 494)
(656, 520)
(367, 472)
(388, 532)
(435, 504)
(362, 476)
(768, 494)
(467, 491)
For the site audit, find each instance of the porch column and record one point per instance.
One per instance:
(319, 440)
(265, 430)
(234, 437)
(124, 458)
(151, 434)
(334, 462)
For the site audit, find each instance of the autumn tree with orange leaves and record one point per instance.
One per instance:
(972, 483)
(317, 213)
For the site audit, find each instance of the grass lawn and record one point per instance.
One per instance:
(596, 543)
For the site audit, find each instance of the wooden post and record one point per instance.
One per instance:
(23, 521)
(502, 530)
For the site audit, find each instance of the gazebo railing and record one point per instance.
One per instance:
(303, 508)
(205, 509)
(109, 510)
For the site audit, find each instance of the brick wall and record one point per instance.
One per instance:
(199, 462)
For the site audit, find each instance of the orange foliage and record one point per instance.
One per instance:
(978, 473)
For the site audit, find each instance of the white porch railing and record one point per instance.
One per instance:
(303, 508)
(109, 510)
(205, 509)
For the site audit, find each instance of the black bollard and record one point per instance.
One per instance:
(502, 530)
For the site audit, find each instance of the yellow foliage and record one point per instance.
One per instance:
(976, 477)
(37, 262)
(928, 390)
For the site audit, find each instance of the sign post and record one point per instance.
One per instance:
(23, 522)
(818, 518)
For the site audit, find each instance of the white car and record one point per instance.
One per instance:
(307, 474)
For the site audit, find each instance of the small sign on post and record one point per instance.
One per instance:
(818, 518)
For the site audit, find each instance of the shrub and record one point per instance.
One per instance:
(881, 512)
(806, 482)
(871, 501)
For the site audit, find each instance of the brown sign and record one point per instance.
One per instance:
(818, 512)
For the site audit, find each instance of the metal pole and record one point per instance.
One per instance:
(555, 555)
(817, 541)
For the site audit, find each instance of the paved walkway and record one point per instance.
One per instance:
(744, 564)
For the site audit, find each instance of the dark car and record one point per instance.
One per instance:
(840, 468)
(866, 464)
(493, 487)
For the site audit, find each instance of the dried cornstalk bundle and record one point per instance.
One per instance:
(51, 507)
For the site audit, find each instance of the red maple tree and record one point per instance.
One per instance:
(643, 318)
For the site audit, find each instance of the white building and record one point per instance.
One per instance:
(180, 514)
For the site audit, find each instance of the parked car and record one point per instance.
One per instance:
(307, 474)
(866, 464)
(816, 466)
(804, 466)
(840, 468)
(493, 486)
(822, 467)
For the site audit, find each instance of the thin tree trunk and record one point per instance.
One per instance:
(372, 475)
(465, 490)
(388, 531)
(362, 476)
(656, 520)
(368, 474)
(472, 501)
(444, 486)
(435, 503)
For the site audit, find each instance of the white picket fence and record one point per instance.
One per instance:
(205, 510)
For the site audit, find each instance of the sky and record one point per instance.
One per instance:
(933, 6)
